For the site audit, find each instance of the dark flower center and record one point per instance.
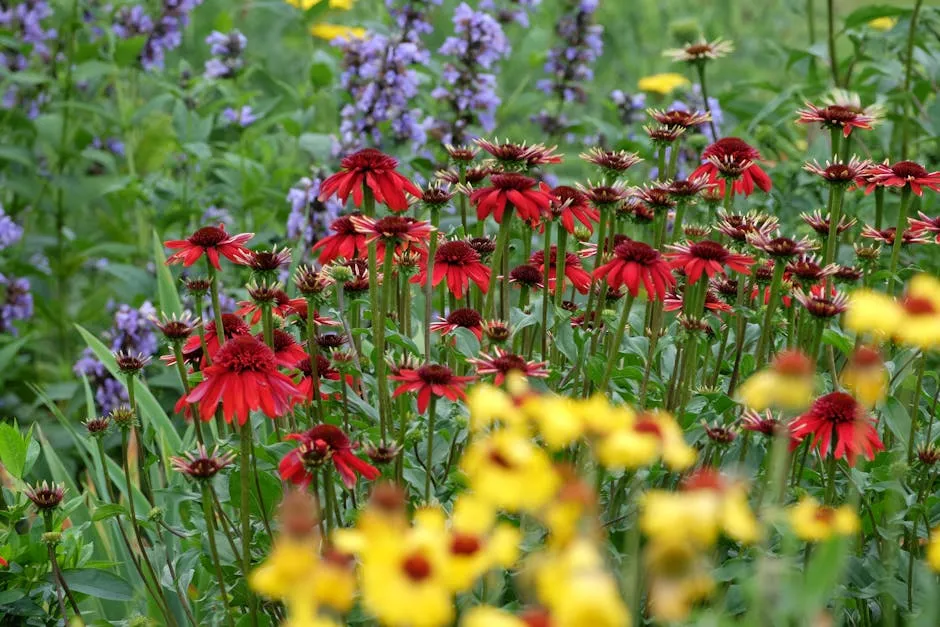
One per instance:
(436, 196)
(393, 226)
(836, 407)
(570, 195)
(456, 254)
(465, 544)
(793, 363)
(866, 357)
(527, 274)
(208, 236)
(732, 147)
(500, 460)
(483, 245)
(918, 306)
(417, 567)
(838, 114)
(466, 317)
(245, 354)
(909, 170)
(512, 181)
(697, 50)
(435, 374)
(282, 340)
(232, 324)
(344, 226)
(825, 514)
(708, 250)
(328, 434)
(645, 425)
(330, 340)
(369, 159)
(637, 252)
(509, 362)
(605, 194)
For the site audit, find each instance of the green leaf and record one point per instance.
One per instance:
(864, 15)
(108, 510)
(17, 154)
(897, 419)
(833, 338)
(13, 447)
(100, 584)
(167, 295)
(466, 342)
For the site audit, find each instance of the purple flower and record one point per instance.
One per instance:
(309, 218)
(469, 84)
(243, 117)
(10, 231)
(131, 331)
(132, 22)
(165, 32)
(217, 215)
(23, 22)
(508, 11)
(227, 53)
(16, 302)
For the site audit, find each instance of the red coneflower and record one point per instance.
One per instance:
(701, 52)
(733, 158)
(679, 117)
(780, 247)
(574, 271)
(233, 326)
(764, 423)
(298, 307)
(430, 379)
(656, 198)
(674, 302)
(377, 171)
(925, 224)
(243, 377)
(321, 445)
(401, 232)
(266, 261)
(820, 223)
(530, 198)
(839, 419)
(471, 176)
(614, 162)
(287, 351)
(571, 204)
(635, 263)
(807, 270)
(201, 464)
(324, 372)
(346, 242)
(527, 275)
(820, 306)
(501, 363)
(903, 174)
(273, 294)
(838, 172)
(459, 263)
(211, 241)
(738, 226)
(519, 155)
(685, 188)
(465, 318)
(604, 196)
(910, 236)
(707, 257)
(835, 116)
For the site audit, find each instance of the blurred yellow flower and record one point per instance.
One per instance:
(883, 23)
(813, 522)
(788, 383)
(342, 5)
(679, 577)
(920, 323)
(510, 472)
(646, 438)
(663, 83)
(485, 616)
(490, 406)
(865, 376)
(290, 563)
(330, 32)
(873, 312)
(556, 418)
(933, 550)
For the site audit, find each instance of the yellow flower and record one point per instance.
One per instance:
(335, 583)
(291, 563)
(737, 519)
(873, 312)
(646, 438)
(403, 579)
(812, 522)
(933, 550)
(509, 471)
(663, 83)
(342, 5)
(489, 405)
(866, 377)
(678, 578)
(573, 509)
(920, 323)
(556, 419)
(600, 418)
(681, 516)
(329, 32)
(767, 388)
(883, 23)
(485, 616)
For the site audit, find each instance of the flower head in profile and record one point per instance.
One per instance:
(838, 172)
(820, 223)
(574, 272)
(210, 241)
(45, 496)
(679, 117)
(527, 275)
(739, 226)
(701, 51)
(733, 159)
(612, 162)
(925, 224)
(372, 169)
(400, 232)
(515, 156)
(320, 445)
(839, 426)
(909, 236)
(430, 379)
(464, 318)
(865, 376)
(501, 363)
(835, 116)
(570, 204)
(530, 199)
(904, 174)
(787, 384)
(764, 422)
(819, 305)
(708, 258)
(243, 377)
(635, 263)
(457, 263)
(176, 328)
(780, 247)
(346, 242)
(201, 464)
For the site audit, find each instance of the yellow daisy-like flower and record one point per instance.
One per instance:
(486, 616)
(556, 418)
(291, 563)
(681, 516)
(920, 323)
(813, 522)
(883, 24)
(866, 377)
(403, 579)
(766, 388)
(489, 406)
(933, 550)
(600, 418)
(873, 312)
(643, 441)
(679, 577)
(663, 84)
(509, 471)
(329, 32)
(341, 5)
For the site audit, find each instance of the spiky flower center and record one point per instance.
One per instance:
(909, 170)
(709, 251)
(245, 354)
(838, 114)
(458, 253)
(837, 407)
(527, 274)
(512, 181)
(369, 159)
(435, 374)
(731, 147)
(344, 226)
(483, 245)
(330, 341)
(507, 362)
(392, 227)
(636, 252)
(465, 317)
(208, 236)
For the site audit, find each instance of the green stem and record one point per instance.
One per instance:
(561, 252)
(908, 68)
(214, 551)
(614, 353)
(915, 406)
(700, 67)
(502, 245)
(313, 354)
(428, 288)
(381, 373)
(429, 460)
(833, 61)
(216, 302)
(245, 476)
(899, 237)
(879, 206)
(765, 343)
(677, 223)
(546, 293)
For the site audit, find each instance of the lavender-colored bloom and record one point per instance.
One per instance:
(630, 108)
(227, 53)
(309, 218)
(242, 117)
(217, 215)
(696, 102)
(469, 85)
(132, 22)
(10, 231)
(114, 145)
(23, 22)
(509, 11)
(165, 33)
(131, 331)
(16, 302)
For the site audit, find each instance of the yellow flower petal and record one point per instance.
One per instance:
(330, 32)
(663, 83)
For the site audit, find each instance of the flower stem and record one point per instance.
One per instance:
(915, 405)
(700, 67)
(833, 61)
(765, 343)
(898, 238)
(908, 66)
(381, 374)
(561, 251)
(245, 477)
(214, 551)
(216, 302)
(428, 288)
(546, 293)
(879, 206)
(184, 380)
(502, 246)
(312, 353)
(614, 353)
(429, 460)
(835, 216)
